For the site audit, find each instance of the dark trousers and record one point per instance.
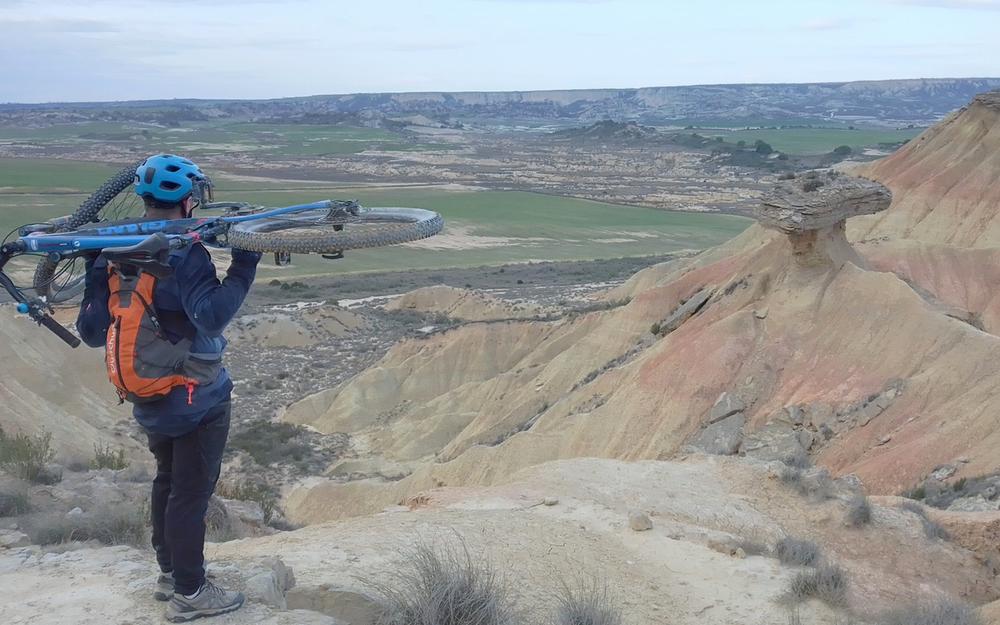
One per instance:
(187, 468)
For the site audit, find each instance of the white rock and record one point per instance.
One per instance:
(265, 588)
(11, 539)
(639, 521)
(74, 513)
(550, 501)
(726, 405)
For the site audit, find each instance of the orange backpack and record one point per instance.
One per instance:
(143, 363)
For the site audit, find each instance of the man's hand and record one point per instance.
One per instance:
(245, 257)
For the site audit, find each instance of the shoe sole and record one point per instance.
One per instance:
(190, 616)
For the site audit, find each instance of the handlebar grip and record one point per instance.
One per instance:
(59, 330)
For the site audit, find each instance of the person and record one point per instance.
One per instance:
(187, 428)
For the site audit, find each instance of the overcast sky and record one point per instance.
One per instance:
(67, 50)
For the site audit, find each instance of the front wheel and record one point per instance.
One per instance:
(112, 201)
(323, 231)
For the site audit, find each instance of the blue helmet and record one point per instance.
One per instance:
(170, 178)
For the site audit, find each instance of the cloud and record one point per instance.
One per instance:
(424, 46)
(981, 5)
(554, 1)
(58, 25)
(829, 23)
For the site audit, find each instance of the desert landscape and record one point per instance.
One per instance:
(660, 369)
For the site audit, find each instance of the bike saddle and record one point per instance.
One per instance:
(149, 256)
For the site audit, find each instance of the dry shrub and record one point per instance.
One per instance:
(445, 585)
(813, 484)
(259, 493)
(107, 458)
(587, 604)
(25, 456)
(826, 582)
(932, 530)
(859, 511)
(943, 611)
(797, 552)
(112, 526)
(13, 502)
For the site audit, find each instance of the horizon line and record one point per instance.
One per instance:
(502, 91)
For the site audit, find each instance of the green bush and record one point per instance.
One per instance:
(107, 458)
(14, 503)
(25, 456)
(256, 492)
(268, 442)
(762, 147)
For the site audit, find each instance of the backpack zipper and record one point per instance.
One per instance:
(118, 353)
(152, 315)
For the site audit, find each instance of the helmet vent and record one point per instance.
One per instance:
(169, 185)
(173, 168)
(150, 172)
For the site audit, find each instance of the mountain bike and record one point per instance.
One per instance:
(328, 227)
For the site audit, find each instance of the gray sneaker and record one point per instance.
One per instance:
(164, 587)
(210, 601)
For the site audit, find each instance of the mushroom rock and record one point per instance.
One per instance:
(812, 211)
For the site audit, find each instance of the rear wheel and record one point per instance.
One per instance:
(328, 231)
(112, 201)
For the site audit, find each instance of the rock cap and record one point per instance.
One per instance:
(818, 200)
(990, 99)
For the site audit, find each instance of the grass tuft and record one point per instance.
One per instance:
(827, 582)
(796, 552)
(445, 586)
(859, 511)
(813, 484)
(932, 530)
(942, 611)
(587, 605)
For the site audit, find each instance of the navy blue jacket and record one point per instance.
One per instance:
(192, 298)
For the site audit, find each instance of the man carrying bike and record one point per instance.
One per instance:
(188, 424)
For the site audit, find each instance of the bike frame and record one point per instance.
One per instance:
(126, 234)
(60, 246)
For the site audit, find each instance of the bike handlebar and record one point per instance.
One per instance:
(34, 309)
(68, 337)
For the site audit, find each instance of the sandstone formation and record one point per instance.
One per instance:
(463, 304)
(943, 182)
(830, 361)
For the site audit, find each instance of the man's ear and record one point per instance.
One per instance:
(187, 207)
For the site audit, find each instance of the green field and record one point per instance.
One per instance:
(204, 138)
(485, 227)
(809, 141)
